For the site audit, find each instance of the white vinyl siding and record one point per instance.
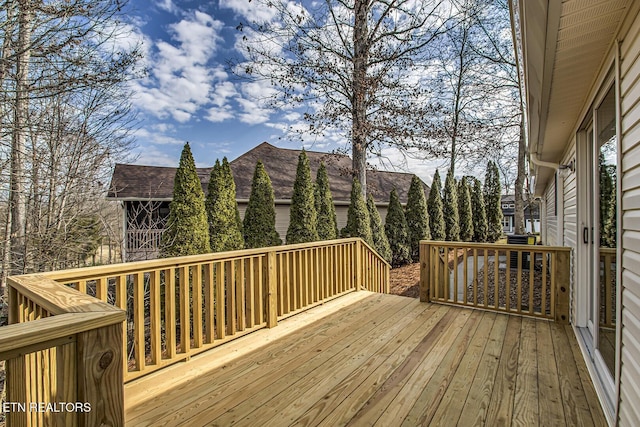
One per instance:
(549, 229)
(569, 214)
(629, 410)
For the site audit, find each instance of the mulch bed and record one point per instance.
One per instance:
(405, 280)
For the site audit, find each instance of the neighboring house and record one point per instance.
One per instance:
(146, 191)
(581, 67)
(531, 215)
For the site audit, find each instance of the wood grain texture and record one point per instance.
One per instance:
(383, 360)
(100, 376)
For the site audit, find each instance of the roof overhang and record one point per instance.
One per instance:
(564, 45)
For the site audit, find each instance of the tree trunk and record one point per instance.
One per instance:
(359, 101)
(519, 193)
(17, 195)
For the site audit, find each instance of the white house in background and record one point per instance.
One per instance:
(146, 191)
(581, 67)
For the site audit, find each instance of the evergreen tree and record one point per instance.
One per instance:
(611, 228)
(607, 197)
(358, 222)
(492, 198)
(434, 208)
(479, 212)
(465, 212)
(397, 232)
(303, 220)
(222, 209)
(327, 224)
(450, 209)
(260, 217)
(417, 217)
(380, 241)
(187, 230)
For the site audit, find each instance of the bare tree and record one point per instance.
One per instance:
(357, 66)
(65, 120)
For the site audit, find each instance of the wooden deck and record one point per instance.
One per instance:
(374, 359)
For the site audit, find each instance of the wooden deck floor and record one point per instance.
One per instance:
(371, 359)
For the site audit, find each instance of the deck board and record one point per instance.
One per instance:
(372, 359)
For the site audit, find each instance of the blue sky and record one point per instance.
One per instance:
(190, 95)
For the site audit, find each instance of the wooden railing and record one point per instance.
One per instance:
(529, 280)
(61, 348)
(79, 335)
(608, 287)
(142, 244)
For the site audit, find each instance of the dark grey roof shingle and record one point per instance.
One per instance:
(143, 182)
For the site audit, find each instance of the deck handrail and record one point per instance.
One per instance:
(156, 313)
(458, 273)
(61, 347)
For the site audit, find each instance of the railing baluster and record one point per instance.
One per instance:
(154, 312)
(250, 298)
(532, 278)
(138, 321)
(496, 279)
(185, 310)
(543, 297)
(240, 297)
(209, 311)
(196, 288)
(170, 311)
(219, 298)
(475, 277)
(229, 272)
(260, 292)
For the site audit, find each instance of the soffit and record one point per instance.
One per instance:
(564, 45)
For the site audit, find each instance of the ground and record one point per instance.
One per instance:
(405, 280)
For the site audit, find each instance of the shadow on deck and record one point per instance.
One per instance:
(376, 359)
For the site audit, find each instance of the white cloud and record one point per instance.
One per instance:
(181, 79)
(167, 5)
(158, 134)
(252, 11)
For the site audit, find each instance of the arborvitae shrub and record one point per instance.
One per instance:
(434, 207)
(187, 230)
(259, 224)
(465, 213)
(222, 209)
(303, 220)
(417, 217)
(479, 212)
(327, 225)
(397, 232)
(450, 208)
(492, 198)
(380, 241)
(358, 222)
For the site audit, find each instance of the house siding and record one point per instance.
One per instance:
(550, 219)
(629, 410)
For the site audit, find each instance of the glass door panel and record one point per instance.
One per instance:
(605, 283)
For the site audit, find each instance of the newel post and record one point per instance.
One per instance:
(425, 263)
(100, 379)
(561, 270)
(272, 289)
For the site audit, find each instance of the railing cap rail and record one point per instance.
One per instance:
(496, 246)
(57, 298)
(87, 273)
(20, 336)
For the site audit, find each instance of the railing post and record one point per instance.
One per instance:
(424, 271)
(561, 270)
(272, 289)
(100, 379)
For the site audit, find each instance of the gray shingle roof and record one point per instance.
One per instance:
(156, 182)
